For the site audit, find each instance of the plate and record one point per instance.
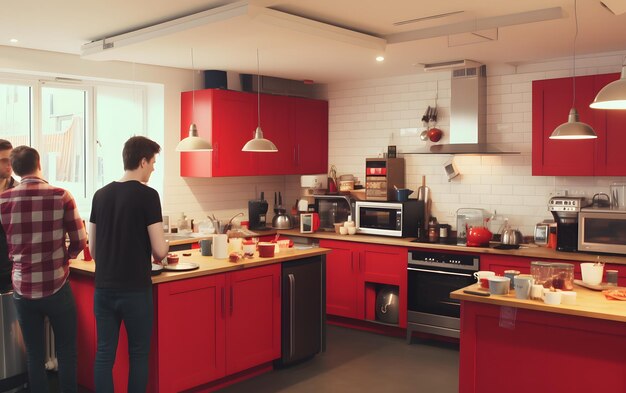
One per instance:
(156, 269)
(181, 267)
(597, 287)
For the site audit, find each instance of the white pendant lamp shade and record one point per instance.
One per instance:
(573, 129)
(259, 144)
(193, 142)
(613, 95)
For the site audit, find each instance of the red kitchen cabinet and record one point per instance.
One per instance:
(354, 270)
(499, 263)
(552, 100)
(228, 120)
(253, 322)
(297, 126)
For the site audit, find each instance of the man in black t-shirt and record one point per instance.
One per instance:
(125, 232)
(6, 182)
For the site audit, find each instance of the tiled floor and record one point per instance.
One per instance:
(361, 362)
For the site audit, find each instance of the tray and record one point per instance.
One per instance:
(156, 269)
(599, 287)
(181, 267)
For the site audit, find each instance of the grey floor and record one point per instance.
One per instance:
(358, 361)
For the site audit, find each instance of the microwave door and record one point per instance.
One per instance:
(602, 232)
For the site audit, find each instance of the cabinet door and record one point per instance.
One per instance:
(500, 263)
(253, 321)
(311, 136)
(83, 289)
(611, 135)
(343, 295)
(191, 332)
(275, 122)
(552, 101)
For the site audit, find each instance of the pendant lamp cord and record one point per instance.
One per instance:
(258, 88)
(575, 37)
(193, 89)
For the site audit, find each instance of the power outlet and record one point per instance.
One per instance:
(560, 193)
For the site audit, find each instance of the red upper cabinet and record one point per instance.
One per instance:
(298, 127)
(552, 100)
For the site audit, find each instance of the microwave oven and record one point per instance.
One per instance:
(398, 219)
(602, 230)
(333, 209)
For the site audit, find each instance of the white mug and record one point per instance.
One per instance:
(483, 273)
(523, 285)
(219, 248)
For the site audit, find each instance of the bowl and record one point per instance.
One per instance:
(592, 273)
(172, 259)
(499, 285)
(266, 250)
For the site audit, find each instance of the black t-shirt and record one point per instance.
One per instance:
(122, 212)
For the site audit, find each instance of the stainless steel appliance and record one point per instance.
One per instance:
(381, 175)
(304, 309)
(398, 219)
(257, 213)
(565, 211)
(431, 278)
(333, 209)
(602, 230)
(12, 355)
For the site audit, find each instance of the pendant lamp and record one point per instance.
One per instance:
(193, 142)
(613, 95)
(574, 128)
(258, 143)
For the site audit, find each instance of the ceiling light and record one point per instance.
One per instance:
(613, 95)
(193, 142)
(380, 58)
(574, 129)
(13, 40)
(258, 143)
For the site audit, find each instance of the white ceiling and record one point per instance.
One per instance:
(322, 40)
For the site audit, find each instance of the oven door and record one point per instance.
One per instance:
(429, 289)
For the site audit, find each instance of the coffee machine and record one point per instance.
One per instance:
(565, 211)
(257, 213)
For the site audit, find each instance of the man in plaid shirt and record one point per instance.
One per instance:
(36, 217)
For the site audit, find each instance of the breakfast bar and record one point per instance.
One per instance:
(213, 325)
(514, 345)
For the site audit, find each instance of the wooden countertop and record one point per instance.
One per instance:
(589, 303)
(527, 251)
(210, 265)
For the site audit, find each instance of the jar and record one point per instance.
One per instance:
(444, 232)
(433, 230)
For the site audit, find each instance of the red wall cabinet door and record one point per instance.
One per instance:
(191, 337)
(253, 322)
(228, 120)
(343, 297)
(310, 134)
(552, 101)
(275, 122)
(611, 134)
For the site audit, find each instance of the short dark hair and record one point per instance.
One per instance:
(5, 145)
(24, 160)
(136, 149)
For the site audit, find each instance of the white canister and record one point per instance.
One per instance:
(219, 248)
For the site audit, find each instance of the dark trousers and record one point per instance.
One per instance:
(134, 308)
(60, 309)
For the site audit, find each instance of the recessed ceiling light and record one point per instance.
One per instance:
(13, 40)
(380, 58)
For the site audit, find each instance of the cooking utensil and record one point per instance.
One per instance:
(402, 194)
(423, 194)
(512, 237)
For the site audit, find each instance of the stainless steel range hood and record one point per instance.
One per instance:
(468, 115)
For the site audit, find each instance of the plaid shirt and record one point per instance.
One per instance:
(35, 217)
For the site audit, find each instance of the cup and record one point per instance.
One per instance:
(523, 284)
(511, 275)
(343, 230)
(483, 274)
(351, 230)
(234, 244)
(249, 247)
(592, 273)
(553, 298)
(611, 277)
(568, 297)
(499, 285)
(536, 292)
(205, 247)
(219, 247)
(266, 250)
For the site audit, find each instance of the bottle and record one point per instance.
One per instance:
(433, 230)
(443, 233)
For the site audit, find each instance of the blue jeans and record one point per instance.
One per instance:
(60, 309)
(134, 308)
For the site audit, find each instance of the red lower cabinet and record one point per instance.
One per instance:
(354, 271)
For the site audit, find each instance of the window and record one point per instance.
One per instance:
(79, 130)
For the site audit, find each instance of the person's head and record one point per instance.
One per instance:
(139, 154)
(5, 159)
(25, 161)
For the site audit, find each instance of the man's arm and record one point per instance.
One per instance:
(92, 239)
(160, 247)
(74, 227)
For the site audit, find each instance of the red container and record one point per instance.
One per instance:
(478, 237)
(266, 250)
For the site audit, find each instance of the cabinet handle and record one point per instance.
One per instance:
(295, 159)
(438, 272)
(298, 155)
(292, 314)
(223, 303)
(359, 256)
(216, 150)
(231, 301)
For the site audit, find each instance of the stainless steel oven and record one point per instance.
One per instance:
(431, 278)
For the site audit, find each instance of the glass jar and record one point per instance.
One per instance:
(433, 230)
(563, 276)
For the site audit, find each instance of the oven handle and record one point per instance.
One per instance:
(439, 272)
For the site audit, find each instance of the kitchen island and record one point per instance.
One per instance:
(514, 345)
(212, 327)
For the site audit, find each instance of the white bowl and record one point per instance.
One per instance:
(499, 285)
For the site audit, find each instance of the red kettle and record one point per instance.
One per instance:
(478, 237)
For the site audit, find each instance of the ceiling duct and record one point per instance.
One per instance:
(278, 86)
(450, 65)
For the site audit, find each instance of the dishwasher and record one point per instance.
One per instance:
(12, 352)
